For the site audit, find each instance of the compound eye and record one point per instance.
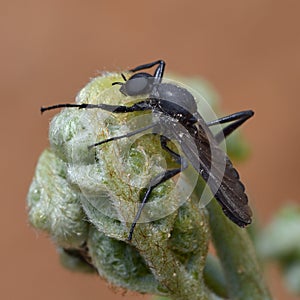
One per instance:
(138, 84)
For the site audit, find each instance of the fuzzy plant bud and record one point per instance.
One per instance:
(86, 198)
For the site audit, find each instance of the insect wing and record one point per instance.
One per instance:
(211, 162)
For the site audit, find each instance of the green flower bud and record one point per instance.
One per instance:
(103, 185)
(86, 198)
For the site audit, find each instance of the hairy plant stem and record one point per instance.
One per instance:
(237, 256)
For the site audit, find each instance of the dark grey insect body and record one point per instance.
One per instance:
(176, 109)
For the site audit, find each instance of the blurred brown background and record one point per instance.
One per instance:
(248, 50)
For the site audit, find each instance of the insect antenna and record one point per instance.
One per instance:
(123, 76)
(118, 82)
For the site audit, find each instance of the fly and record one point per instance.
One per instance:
(177, 106)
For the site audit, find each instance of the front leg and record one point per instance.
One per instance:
(140, 106)
(159, 72)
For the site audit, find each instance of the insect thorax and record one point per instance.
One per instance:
(172, 94)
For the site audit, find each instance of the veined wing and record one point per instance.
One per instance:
(212, 163)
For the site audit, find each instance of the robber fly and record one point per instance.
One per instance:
(179, 106)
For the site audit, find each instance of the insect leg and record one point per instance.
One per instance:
(239, 118)
(140, 106)
(129, 134)
(175, 156)
(157, 180)
(159, 72)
